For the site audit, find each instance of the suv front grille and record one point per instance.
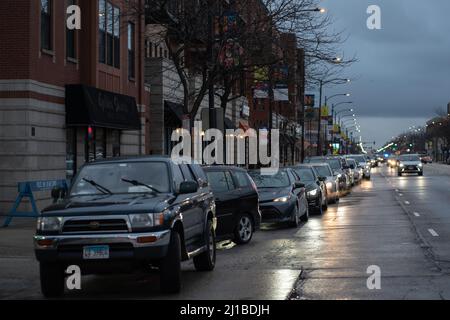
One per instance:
(95, 225)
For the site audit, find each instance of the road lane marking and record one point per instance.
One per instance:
(433, 233)
(407, 202)
(416, 214)
(400, 194)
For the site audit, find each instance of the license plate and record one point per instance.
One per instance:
(95, 252)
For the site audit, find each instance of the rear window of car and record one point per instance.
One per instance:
(242, 179)
(220, 181)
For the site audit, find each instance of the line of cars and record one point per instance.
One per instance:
(124, 214)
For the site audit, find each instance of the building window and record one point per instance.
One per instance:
(109, 34)
(46, 24)
(131, 50)
(70, 37)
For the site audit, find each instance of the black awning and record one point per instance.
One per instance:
(229, 124)
(88, 106)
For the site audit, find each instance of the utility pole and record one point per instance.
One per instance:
(211, 105)
(319, 142)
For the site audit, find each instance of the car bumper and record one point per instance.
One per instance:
(410, 170)
(126, 246)
(276, 212)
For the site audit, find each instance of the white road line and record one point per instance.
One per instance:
(407, 202)
(433, 233)
(416, 214)
(396, 190)
(400, 194)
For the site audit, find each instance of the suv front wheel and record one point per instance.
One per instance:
(52, 279)
(206, 261)
(171, 266)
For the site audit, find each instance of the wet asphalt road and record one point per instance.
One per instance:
(384, 222)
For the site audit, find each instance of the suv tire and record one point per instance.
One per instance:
(206, 261)
(170, 268)
(243, 221)
(52, 279)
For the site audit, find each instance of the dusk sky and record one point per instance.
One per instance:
(402, 74)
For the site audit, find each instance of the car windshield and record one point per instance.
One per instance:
(335, 164)
(359, 159)
(305, 174)
(409, 158)
(279, 180)
(122, 178)
(323, 171)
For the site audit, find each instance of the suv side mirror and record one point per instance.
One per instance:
(322, 179)
(352, 166)
(187, 187)
(58, 193)
(298, 185)
(346, 167)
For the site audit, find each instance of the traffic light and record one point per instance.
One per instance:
(90, 133)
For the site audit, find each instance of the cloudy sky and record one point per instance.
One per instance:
(403, 71)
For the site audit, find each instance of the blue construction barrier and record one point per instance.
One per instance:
(26, 190)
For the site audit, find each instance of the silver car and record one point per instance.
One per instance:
(410, 163)
(332, 181)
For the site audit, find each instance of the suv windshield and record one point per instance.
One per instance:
(409, 158)
(279, 180)
(122, 178)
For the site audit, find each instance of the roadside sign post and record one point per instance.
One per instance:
(25, 190)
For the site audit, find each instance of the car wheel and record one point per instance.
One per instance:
(52, 279)
(399, 174)
(243, 232)
(319, 208)
(206, 261)
(295, 219)
(305, 217)
(171, 266)
(325, 205)
(420, 174)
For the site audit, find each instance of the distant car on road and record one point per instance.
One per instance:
(316, 190)
(128, 213)
(410, 163)
(339, 170)
(392, 162)
(237, 204)
(425, 158)
(331, 182)
(282, 197)
(354, 170)
(364, 164)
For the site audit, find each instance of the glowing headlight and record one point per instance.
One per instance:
(49, 223)
(329, 185)
(146, 220)
(420, 165)
(312, 192)
(401, 165)
(282, 199)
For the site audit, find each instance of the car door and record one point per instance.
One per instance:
(299, 192)
(195, 201)
(224, 188)
(246, 195)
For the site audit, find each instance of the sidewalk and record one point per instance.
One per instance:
(438, 168)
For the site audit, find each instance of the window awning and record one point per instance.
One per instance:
(88, 106)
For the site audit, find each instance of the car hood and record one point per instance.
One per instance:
(309, 186)
(110, 204)
(269, 194)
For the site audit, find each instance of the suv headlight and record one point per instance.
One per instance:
(146, 220)
(282, 199)
(49, 223)
(312, 193)
(401, 165)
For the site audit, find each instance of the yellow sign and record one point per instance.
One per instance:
(325, 111)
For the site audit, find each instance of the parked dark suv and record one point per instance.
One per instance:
(124, 214)
(237, 205)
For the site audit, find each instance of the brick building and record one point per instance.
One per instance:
(68, 96)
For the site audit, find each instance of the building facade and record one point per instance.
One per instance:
(68, 96)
